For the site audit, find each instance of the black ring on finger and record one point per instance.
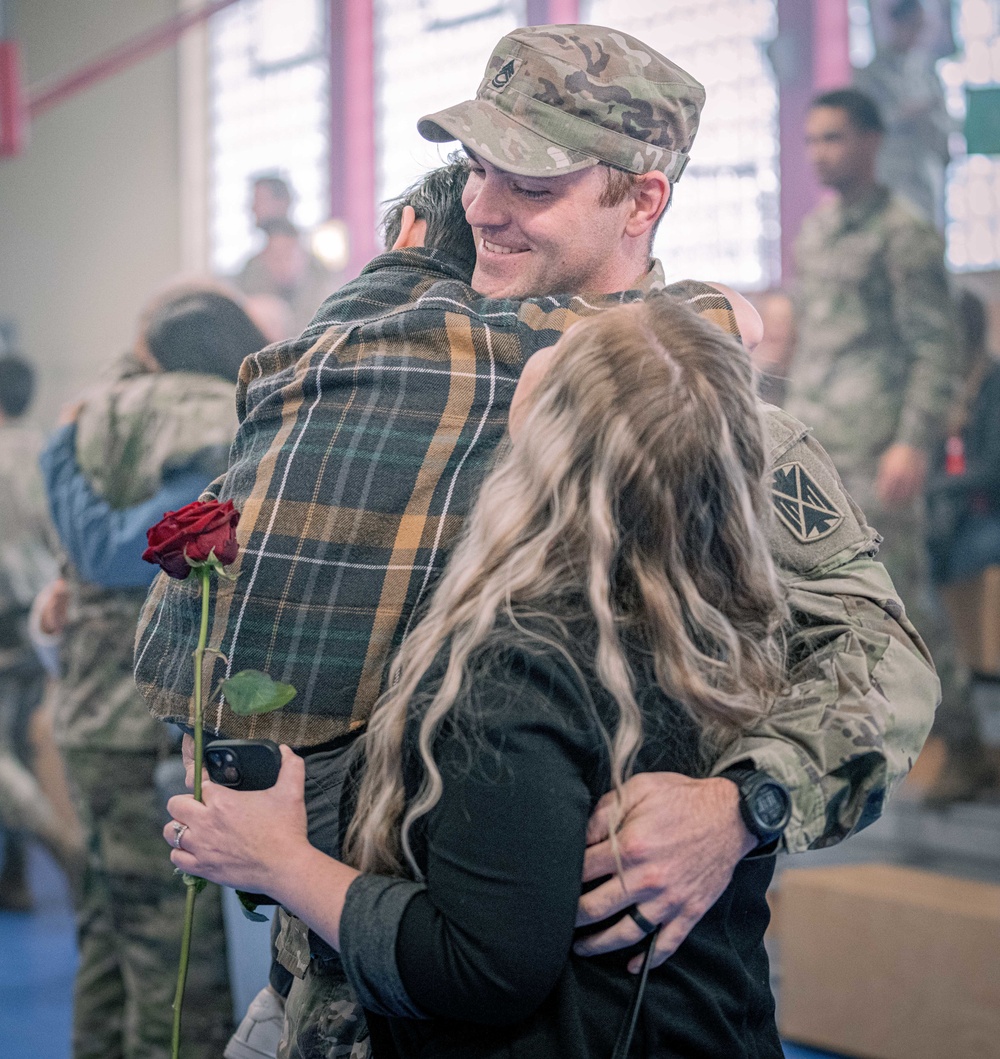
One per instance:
(641, 921)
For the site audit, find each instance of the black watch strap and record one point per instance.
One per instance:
(765, 804)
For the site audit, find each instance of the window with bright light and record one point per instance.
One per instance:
(725, 223)
(269, 113)
(429, 54)
(973, 188)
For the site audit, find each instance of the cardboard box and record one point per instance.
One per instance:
(883, 962)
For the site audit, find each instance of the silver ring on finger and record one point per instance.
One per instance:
(179, 830)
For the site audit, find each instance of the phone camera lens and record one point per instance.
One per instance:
(230, 773)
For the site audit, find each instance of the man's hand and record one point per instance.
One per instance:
(902, 471)
(53, 607)
(680, 841)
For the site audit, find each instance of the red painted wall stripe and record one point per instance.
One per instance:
(352, 126)
(13, 114)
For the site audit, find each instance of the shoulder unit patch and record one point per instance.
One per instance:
(802, 506)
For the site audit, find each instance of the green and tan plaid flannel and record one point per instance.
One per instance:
(361, 448)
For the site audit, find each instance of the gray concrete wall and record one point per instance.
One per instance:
(89, 213)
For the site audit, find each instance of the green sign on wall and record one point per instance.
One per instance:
(982, 120)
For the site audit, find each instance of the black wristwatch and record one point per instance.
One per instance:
(765, 804)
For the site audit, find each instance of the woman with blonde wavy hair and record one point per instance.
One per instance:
(612, 608)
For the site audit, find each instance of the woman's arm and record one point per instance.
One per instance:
(103, 544)
(488, 936)
(258, 841)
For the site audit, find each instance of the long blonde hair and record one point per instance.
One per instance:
(637, 486)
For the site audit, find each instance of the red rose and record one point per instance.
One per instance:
(188, 536)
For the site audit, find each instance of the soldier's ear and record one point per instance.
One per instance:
(650, 195)
(412, 232)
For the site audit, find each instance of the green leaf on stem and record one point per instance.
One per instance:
(249, 907)
(253, 692)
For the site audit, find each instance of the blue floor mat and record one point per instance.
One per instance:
(39, 961)
(37, 968)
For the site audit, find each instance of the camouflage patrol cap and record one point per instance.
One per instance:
(556, 99)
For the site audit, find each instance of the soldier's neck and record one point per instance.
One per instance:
(857, 191)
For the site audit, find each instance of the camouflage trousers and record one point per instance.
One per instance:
(323, 1019)
(129, 918)
(903, 552)
(23, 805)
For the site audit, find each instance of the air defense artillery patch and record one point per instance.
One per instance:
(801, 505)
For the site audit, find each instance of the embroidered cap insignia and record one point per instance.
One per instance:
(802, 506)
(503, 75)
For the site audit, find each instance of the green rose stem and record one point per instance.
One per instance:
(204, 574)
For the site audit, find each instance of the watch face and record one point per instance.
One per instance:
(770, 806)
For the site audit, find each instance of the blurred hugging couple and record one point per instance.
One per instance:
(629, 672)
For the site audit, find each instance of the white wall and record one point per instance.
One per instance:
(89, 213)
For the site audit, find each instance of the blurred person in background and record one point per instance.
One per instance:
(772, 356)
(27, 562)
(147, 440)
(270, 198)
(963, 503)
(904, 84)
(874, 365)
(285, 273)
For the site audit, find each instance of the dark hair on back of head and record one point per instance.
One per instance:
(204, 332)
(277, 185)
(903, 10)
(17, 385)
(437, 199)
(862, 111)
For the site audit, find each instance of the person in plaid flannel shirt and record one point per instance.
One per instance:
(362, 444)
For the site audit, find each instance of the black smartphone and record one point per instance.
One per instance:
(243, 764)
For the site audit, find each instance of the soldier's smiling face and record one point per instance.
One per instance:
(545, 235)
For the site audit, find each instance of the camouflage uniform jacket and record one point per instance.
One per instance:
(875, 323)
(27, 545)
(360, 450)
(130, 433)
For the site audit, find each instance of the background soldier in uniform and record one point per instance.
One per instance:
(147, 441)
(877, 350)
(27, 562)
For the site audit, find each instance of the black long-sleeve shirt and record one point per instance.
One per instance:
(483, 951)
(981, 442)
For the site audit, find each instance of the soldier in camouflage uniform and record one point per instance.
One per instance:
(555, 102)
(903, 82)
(27, 562)
(875, 362)
(145, 441)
